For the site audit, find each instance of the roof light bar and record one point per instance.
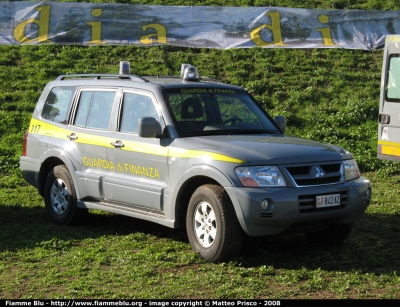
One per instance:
(124, 68)
(189, 73)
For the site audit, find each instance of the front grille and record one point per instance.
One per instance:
(307, 203)
(317, 174)
(329, 168)
(299, 170)
(317, 181)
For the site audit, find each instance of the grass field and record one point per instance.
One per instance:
(113, 256)
(326, 95)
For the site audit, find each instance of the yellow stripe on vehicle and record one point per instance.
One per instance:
(145, 148)
(94, 140)
(200, 154)
(177, 152)
(389, 148)
(381, 142)
(42, 128)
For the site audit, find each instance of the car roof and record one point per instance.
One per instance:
(148, 82)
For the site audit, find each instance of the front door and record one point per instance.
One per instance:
(141, 169)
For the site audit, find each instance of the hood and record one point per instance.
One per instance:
(262, 149)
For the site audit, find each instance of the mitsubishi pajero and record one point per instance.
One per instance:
(186, 152)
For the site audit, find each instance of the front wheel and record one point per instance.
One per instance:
(60, 197)
(211, 223)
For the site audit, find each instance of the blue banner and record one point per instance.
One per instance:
(195, 26)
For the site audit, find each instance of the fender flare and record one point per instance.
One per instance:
(67, 161)
(199, 171)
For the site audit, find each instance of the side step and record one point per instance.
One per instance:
(128, 210)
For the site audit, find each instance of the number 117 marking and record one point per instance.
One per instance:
(35, 128)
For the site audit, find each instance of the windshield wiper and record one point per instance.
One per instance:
(256, 131)
(230, 132)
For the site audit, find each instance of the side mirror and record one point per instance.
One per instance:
(149, 127)
(281, 122)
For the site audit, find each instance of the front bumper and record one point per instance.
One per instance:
(293, 210)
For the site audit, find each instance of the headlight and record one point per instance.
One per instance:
(260, 176)
(351, 170)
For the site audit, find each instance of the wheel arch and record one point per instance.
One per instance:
(185, 193)
(188, 182)
(50, 160)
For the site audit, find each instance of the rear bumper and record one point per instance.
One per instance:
(30, 170)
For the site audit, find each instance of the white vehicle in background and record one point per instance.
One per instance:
(389, 103)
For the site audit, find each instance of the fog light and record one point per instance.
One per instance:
(368, 193)
(264, 204)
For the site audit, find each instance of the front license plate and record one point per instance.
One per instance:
(328, 200)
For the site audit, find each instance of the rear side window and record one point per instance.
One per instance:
(94, 109)
(393, 79)
(57, 104)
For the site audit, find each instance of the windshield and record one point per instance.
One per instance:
(208, 111)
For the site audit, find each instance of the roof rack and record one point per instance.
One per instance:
(102, 76)
(208, 79)
(162, 77)
(202, 78)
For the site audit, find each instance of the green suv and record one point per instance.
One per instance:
(186, 152)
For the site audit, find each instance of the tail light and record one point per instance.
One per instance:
(24, 143)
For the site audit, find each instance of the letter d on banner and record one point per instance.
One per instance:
(274, 27)
(42, 23)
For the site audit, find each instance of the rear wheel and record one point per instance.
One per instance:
(331, 234)
(60, 197)
(212, 226)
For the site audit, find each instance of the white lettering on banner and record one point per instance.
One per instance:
(207, 27)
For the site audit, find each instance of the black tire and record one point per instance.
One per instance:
(331, 234)
(60, 198)
(220, 236)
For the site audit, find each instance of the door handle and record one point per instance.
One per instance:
(384, 118)
(117, 144)
(72, 137)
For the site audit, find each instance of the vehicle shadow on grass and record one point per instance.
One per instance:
(26, 227)
(372, 247)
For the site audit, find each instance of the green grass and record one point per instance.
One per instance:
(326, 95)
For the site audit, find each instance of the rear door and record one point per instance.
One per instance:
(389, 104)
(88, 139)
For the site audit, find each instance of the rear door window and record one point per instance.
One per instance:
(94, 109)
